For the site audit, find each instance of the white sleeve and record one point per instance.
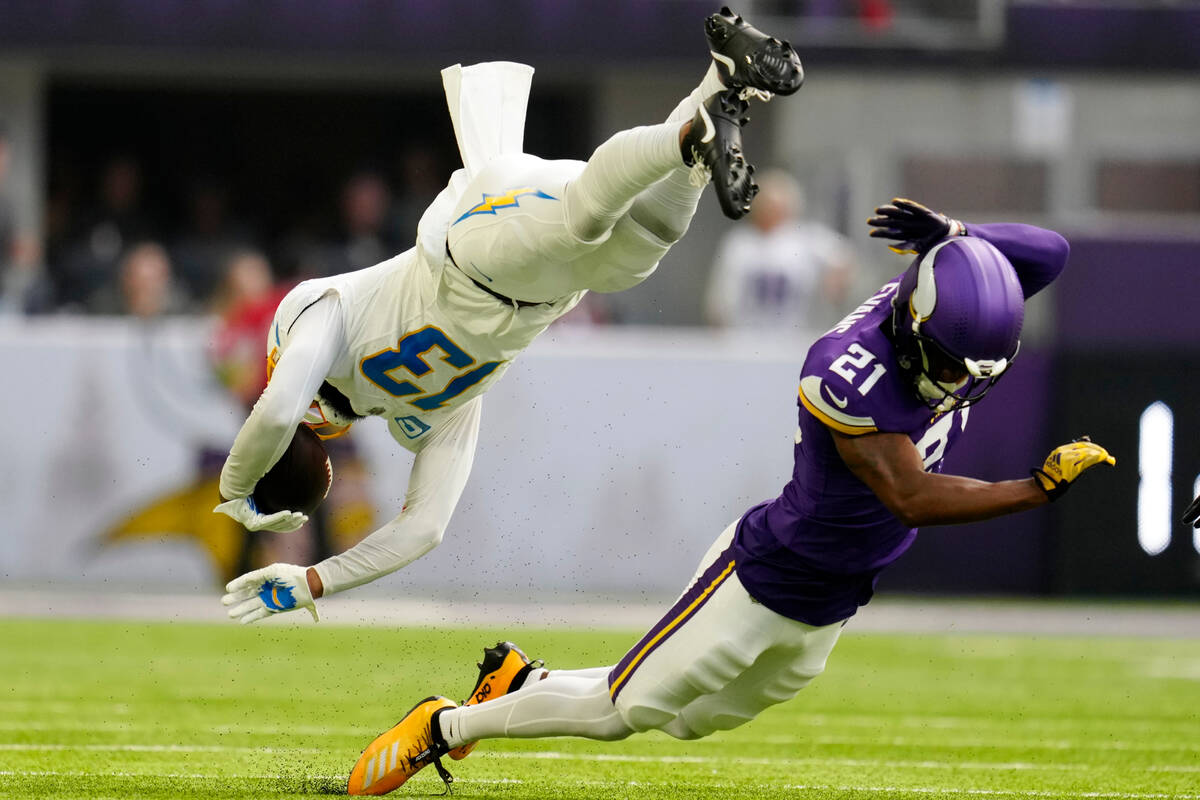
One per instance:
(314, 342)
(439, 475)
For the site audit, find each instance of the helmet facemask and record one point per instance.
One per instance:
(930, 365)
(943, 380)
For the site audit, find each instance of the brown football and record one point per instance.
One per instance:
(300, 479)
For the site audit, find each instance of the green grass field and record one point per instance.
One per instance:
(181, 710)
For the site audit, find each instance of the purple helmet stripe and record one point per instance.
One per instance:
(685, 607)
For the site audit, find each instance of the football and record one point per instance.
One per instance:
(299, 480)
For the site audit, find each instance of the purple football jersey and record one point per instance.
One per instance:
(814, 553)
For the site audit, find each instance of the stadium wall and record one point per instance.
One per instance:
(608, 460)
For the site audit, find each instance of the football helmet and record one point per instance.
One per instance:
(956, 321)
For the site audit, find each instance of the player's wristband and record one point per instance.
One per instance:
(1053, 489)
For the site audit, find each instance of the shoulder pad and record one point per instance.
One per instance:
(834, 405)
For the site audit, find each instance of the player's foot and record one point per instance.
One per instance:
(503, 669)
(750, 60)
(712, 147)
(395, 756)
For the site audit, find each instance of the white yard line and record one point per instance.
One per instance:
(887, 615)
(800, 787)
(554, 755)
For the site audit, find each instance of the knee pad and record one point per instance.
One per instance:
(655, 225)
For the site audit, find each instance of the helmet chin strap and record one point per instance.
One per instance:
(936, 390)
(942, 391)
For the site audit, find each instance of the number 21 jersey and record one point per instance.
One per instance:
(814, 552)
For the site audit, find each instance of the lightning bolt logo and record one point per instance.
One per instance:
(276, 595)
(509, 199)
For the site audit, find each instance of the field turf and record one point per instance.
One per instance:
(182, 710)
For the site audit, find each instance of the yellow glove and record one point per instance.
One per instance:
(1066, 463)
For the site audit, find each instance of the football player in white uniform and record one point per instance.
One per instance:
(510, 245)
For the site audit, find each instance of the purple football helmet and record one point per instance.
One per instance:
(956, 321)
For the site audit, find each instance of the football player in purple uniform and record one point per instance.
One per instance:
(884, 395)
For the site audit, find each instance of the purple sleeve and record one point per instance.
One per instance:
(1037, 254)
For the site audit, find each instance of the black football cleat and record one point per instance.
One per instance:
(712, 147)
(750, 60)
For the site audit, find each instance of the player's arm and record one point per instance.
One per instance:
(439, 475)
(890, 465)
(1038, 255)
(314, 343)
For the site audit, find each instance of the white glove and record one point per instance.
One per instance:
(242, 509)
(267, 591)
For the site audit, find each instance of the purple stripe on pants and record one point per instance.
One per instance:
(683, 610)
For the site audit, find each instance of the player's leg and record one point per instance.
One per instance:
(521, 220)
(745, 61)
(776, 676)
(567, 702)
(515, 231)
(558, 705)
(717, 659)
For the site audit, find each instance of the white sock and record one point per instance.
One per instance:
(533, 676)
(556, 706)
(710, 84)
(642, 165)
(666, 208)
(589, 672)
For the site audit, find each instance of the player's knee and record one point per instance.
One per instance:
(680, 729)
(665, 231)
(641, 718)
(588, 227)
(612, 729)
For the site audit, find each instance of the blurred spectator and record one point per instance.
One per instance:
(594, 309)
(245, 302)
(421, 177)
(145, 286)
(88, 261)
(8, 223)
(208, 238)
(364, 239)
(780, 271)
(22, 287)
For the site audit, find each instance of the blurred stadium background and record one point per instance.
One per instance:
(167, 168)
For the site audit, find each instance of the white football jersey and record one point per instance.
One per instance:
(421, 338)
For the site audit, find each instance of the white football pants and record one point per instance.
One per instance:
(714, 661)
(537, 230)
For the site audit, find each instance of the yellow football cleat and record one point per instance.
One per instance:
(403, 751)
(503, 666)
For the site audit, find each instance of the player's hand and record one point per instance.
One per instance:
(1192, 515)
(267, 591)
(242, 509)
(1066, 463)
(915, 227)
